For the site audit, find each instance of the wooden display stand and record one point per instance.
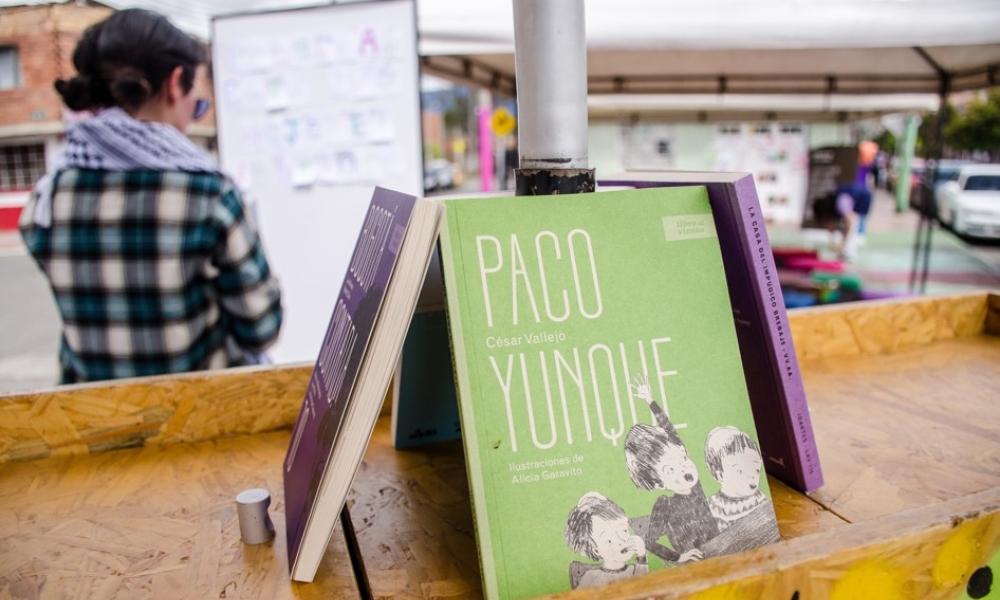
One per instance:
(127, 490)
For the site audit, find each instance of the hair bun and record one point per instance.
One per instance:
(75, 92)
(129, 87)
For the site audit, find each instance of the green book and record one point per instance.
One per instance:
(604, 412)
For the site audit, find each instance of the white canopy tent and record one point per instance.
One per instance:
(643, 52)
(692, 61)
(794, 69)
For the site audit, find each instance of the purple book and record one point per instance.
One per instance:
(770, 365)
(356, 362)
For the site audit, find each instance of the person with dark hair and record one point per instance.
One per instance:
(153, 259)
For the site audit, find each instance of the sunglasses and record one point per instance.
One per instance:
(200, 108)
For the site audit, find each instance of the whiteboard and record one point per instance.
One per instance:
(314, 107)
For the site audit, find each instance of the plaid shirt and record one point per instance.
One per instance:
(153, 272)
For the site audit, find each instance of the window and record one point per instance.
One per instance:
(791, 128)
(10, 68)
(729, 129)
(762, 129)
(21, 166)
(983, 183)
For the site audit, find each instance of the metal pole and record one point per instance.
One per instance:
(917, 246)
(927, 257)
(908, 146)
(550, 53)
(931, 177)
(354, 553)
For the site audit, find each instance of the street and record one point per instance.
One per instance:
(28, 319)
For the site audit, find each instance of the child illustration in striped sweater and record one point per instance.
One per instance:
(734, 460)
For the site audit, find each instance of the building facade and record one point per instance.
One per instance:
(36, 48)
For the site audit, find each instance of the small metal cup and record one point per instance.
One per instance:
(251, 510)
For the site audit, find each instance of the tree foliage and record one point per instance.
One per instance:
(887, 142)
(927, 133)
(978, 127)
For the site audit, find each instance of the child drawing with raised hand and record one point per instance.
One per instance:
(598, 529)
(657, 459)
(733, 458)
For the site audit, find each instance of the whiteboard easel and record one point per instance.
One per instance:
(316, 106)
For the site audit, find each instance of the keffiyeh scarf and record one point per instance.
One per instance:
(113, 141)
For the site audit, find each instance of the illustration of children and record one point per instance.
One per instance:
(657, 459)
(598, 529)
(734, 460)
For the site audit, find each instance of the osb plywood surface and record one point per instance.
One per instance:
(413, 519)
(160, 522)
(155, 522)
(96, 417)
(888, 326)
(905, 430)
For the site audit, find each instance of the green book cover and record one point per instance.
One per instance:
(605, 417)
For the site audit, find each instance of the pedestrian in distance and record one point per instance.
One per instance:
(853, 201)
(845, 211)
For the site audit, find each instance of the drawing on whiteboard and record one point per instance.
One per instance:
(276, 93)
(303, 171)
(242, 94)
(252, 135)
(303, 54)
(312, 129)
(379, 79)
(250, 56)
(334, 45)
(290, 132)
(346, 162)
(368, 45)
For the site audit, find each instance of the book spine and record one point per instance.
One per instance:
(454, 311)
(767, 291)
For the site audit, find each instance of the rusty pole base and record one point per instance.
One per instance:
(548, 182)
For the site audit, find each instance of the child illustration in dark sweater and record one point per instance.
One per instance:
(657, 459)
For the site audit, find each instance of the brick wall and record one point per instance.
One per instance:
(45, 37)
(432, 125)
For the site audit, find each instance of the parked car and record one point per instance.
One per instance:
(947, 170)
(438, 175)
(916, 171)
(970, 204)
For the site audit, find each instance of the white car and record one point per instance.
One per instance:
(970, 204)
